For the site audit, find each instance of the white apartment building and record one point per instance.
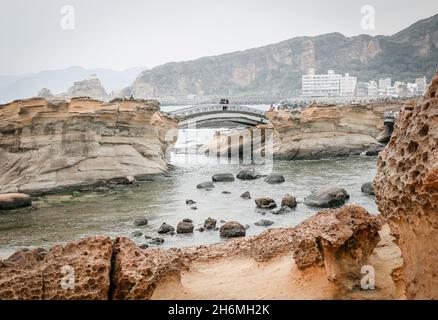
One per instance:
(384, 84)
(347, 86)
(421, 84)
(373, 90)
(320, 85)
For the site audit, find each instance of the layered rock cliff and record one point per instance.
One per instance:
(49, 145)
(315, 132)
(407, 192)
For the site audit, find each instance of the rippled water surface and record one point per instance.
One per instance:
(62, 218)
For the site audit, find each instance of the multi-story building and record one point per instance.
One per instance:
(421, 84)
(347, 86)
(321, 85)
(384, 84)
(362, 90)
(373, 90)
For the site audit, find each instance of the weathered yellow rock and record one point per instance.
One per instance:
(407, 192)
(46, 145)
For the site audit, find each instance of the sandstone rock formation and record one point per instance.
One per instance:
(117, 269)
(48, 145)
(406, 188)
(315, 132)
(91, 87)
(339, 239)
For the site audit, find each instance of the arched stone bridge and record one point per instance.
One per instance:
(208, 114)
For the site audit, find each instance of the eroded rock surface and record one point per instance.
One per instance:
(339, 239)
(407, 192)
(50, 145)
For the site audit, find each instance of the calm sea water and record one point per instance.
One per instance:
(62, 218)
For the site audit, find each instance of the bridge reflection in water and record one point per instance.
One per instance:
(211, 115)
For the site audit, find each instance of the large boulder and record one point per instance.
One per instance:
(265, 203)
(275, 178)
(9, 201)
(289, 201)
(248, 174)
(327, 198)
(184, 227)
(210, 224)
(340, 239)
(232, 229)
(165, 228)
(367, 188)
(406, 188)
(223, 177)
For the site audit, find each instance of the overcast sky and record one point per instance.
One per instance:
(120, 34)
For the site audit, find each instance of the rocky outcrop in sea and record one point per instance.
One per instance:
(48, 145)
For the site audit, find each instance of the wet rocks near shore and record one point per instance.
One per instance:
(140, 222)
(264, 223)
(275, 178)
(282, 210)
(205, 185)
(248, 174)
(223, 177)
(265, 203)
(210, 224)
(165, 228)
(246, 195)
(10, 201)
(184, 227)
(289, 201)
(368, 188)
(327, 198)
(232, 229)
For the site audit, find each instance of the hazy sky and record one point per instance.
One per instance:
(119, 34)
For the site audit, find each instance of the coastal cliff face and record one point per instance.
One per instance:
(49, 145)
(317, 131)
(407, 192)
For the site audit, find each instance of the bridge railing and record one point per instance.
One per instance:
(212, 108)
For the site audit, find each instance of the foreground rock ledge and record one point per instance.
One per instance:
(407, 192)
(47, 145)
(106, 269)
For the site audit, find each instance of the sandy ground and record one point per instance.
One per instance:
(244, 278)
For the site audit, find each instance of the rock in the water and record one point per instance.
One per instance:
(373, 152)
(190, 202)
(327, 198)
(205, 185)
(156, 241)
(248, 174)
(282, 210)
(223, 177)
(188, 220)
(165, 228)
(9, 201)
(210, 223)
(144, 246)
(289, 201)
(194, 208)
(340, 239)
(232, 229)
(184, 227)
(226, 192)
(246, 195)
(136, 234)
(367, 188)
(264, 223)
(247, 226)
(200, 229)
(275, 178)
(265, 203)
(406, 187)
(140, 222)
